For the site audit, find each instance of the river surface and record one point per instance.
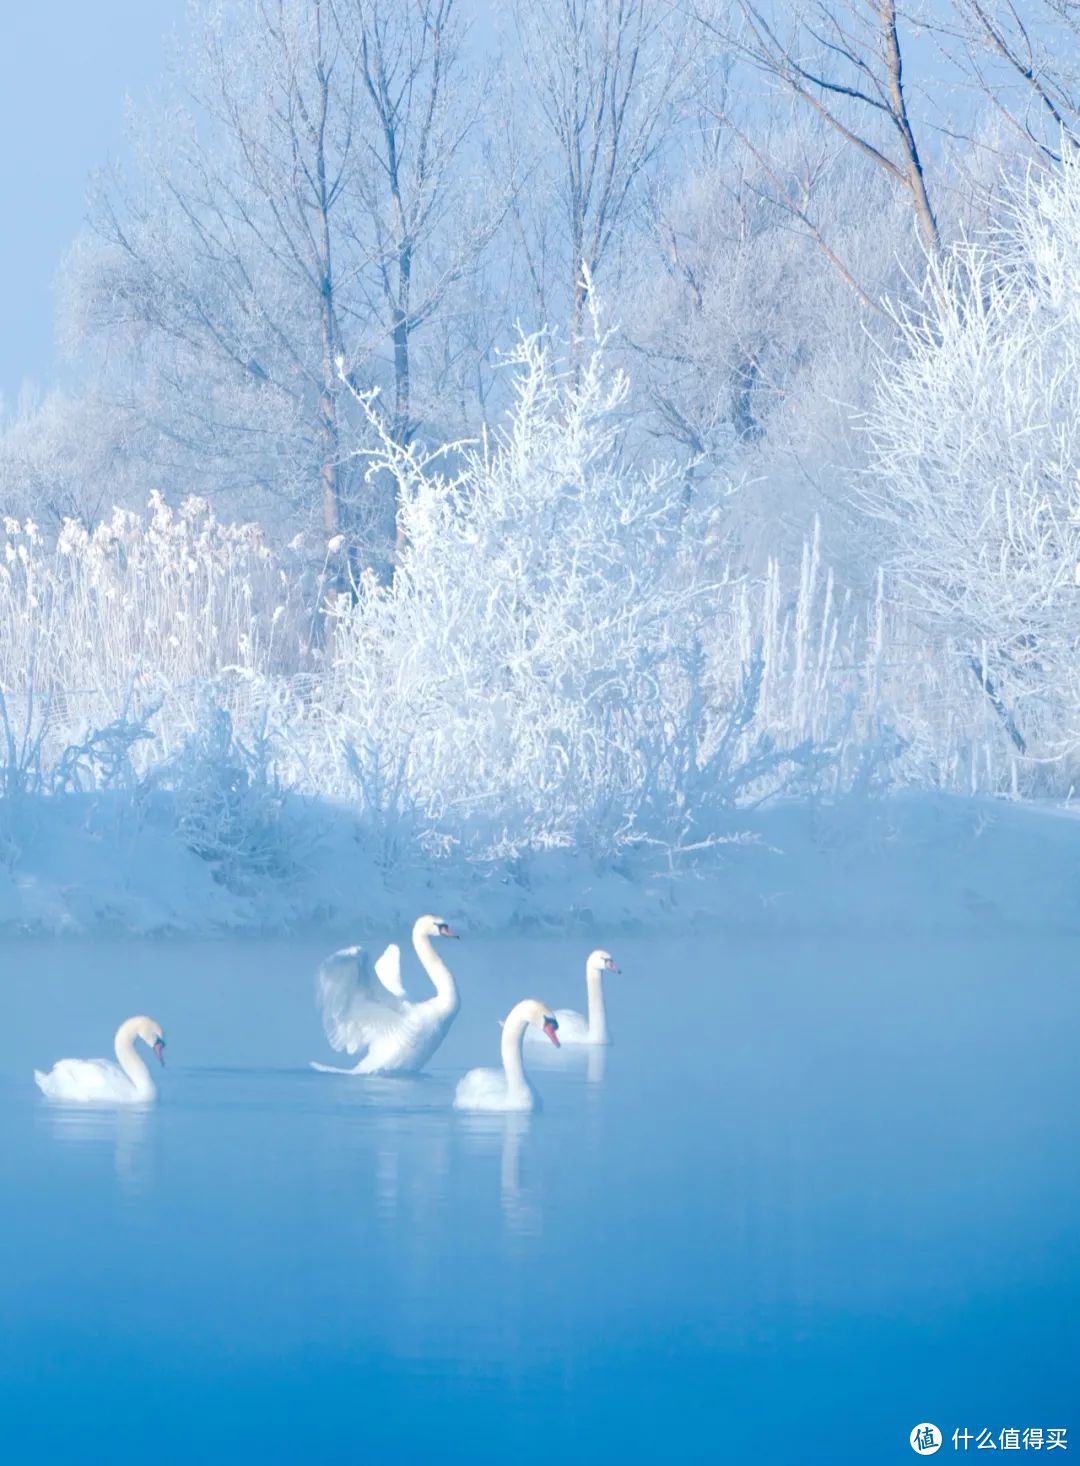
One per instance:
(817, 1192)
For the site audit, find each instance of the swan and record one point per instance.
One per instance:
(366, 1008)
(573, 1027)
(99, 1080)
(507, 1088)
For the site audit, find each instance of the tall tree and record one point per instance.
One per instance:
(419, 226)
(291, 224)
(604, 77)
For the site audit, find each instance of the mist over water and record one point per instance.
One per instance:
(816, 1192)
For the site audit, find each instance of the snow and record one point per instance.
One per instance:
(910, 862)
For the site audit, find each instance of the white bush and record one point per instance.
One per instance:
(552, 665)
(976, 436)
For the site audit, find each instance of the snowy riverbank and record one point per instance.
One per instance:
(918, 863)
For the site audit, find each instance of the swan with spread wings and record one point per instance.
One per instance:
(364, 1007)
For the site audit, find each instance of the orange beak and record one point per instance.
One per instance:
(549, 1028)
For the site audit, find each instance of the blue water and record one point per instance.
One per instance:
(816, 1193)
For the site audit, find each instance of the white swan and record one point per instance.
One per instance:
(507, 1088)
(98, 1080)
(367, 1009)
(573, 1027)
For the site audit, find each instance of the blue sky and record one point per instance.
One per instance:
(65, 69)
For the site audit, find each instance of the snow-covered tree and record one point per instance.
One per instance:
(553, 662)
(602, 84)
(727, 301)
(307, 201)
(976, 456)
(65, 456)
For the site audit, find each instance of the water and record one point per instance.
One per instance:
(815, 1194)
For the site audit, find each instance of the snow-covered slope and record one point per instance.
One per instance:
(915, 862)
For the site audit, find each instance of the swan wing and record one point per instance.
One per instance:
(481, 1089)
(357, 1009)
(487, 1089)
(85, 1079)
(388, 970)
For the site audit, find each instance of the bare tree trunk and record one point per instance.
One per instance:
(402, 426)
(331, 498)
(996, 703)
(901, 120)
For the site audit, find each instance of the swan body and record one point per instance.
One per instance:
(576, 1028)
(364, 1006)
(99, 1081)
(508, 1088)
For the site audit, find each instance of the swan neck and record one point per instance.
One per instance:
(441, 977)
(594, 982)
(133, 1064)
(513, 1039)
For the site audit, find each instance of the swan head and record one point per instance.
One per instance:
(601, 960)
(151, 1033)
(544, 1019)
(433, 926)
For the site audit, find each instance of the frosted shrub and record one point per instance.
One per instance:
(976, 437)
(102, 759)
(537, 672)
(228, 801)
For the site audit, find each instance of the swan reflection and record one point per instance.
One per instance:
(520, 1205)
(520, 1208)
(392, 1137)
(386, 1182)
(126, 1129)
(411, 1171)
